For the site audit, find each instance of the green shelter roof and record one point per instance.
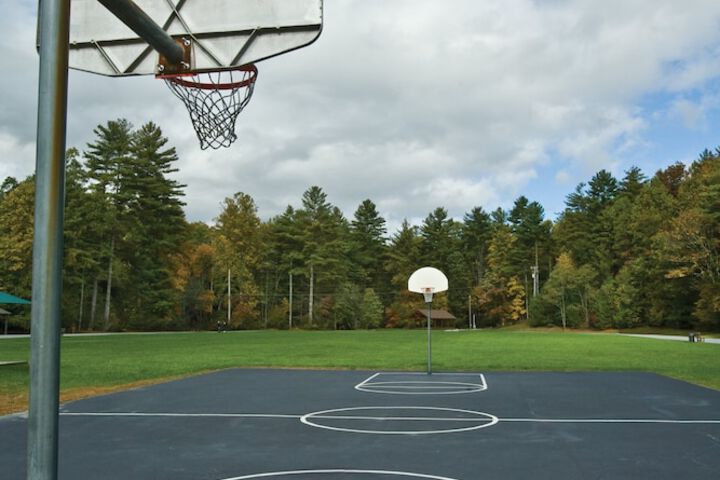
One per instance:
(6, 298)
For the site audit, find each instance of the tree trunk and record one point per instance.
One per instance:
(82, 301)
(229, 303)
(527, 298)
(310, 300)
(106, 317)
(563, 312)
(584, 302)
(480, 264)
(265, 304)
(93, 304)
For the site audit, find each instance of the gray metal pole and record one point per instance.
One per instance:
(429, 332)
(229, 309)
(139, 22)
(290, 322)
(42, 453)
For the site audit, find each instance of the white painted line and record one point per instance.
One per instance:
(178, 415)
(425, 387)
(483, 420)
(460, 387)
(437, 374)
(340, 471)
(427, 384)
(321, 415)
(429, 389)
(270, 416)
(366, 380)
(383, 419)
(611, 421)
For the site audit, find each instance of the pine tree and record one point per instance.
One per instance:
(154, 196)
(326, 246)
(440, 237)
(108, 170)
(475, 235)
(368, 243)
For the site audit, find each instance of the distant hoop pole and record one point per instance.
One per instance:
(429, 329)
(139, 22)
(428, 294)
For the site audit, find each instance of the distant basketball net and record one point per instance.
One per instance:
(214, 101)
(428, 293)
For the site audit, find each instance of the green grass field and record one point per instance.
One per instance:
(96, 364)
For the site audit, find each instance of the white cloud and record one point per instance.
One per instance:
(417, 103)
(17, 158)
(562, 178)
(691, 113)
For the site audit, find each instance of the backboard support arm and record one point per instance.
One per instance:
(139, 22)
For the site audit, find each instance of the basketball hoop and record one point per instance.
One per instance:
(214, 100)
(428, 280)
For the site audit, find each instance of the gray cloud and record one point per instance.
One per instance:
(416, 104)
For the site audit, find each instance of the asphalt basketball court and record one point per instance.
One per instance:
(365, 425)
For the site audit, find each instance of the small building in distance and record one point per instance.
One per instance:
(440, 318)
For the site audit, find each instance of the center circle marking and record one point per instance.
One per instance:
(477, 420)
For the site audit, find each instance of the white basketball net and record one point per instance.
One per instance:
(428, 294)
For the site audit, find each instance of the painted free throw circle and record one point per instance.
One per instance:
(340, 474)
(407, 387)
(399, 420)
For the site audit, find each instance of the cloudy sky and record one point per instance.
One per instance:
(417, 104)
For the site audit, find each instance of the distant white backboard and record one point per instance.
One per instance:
(427, 278)
(224, 33)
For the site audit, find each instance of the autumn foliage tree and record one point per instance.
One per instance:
(630, 251)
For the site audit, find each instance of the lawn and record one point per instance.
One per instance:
(97, 364)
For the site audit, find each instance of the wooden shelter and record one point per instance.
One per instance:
(440, 318)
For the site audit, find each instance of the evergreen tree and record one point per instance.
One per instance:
(368, 243)
(475, 235)
(154, 196)
(403, 255)
(403, 260)
(441, 247)
(325, 234)
(108, 170)
(372, 310)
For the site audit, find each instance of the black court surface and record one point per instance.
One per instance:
(340, 425)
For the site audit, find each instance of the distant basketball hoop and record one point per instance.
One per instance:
(428, 281)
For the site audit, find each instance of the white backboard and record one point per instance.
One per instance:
(224, 33)
(427, 277)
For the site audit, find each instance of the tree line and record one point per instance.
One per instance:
(627, 252)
